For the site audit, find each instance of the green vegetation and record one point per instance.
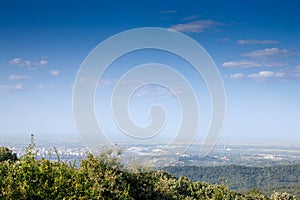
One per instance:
(6, 154)
(284, 178)
(31, 178)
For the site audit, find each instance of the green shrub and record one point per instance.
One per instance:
(6, 154)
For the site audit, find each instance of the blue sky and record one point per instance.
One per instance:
(255, 45)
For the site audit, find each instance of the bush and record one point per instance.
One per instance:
(6, 154)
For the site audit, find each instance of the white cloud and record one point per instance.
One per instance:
(17, 77)
(269, 57)
(21, 63)
(43, 62)
(283, 74)
(16, 87)
(268, 52)
(196, 26)
(32, 68)
(54, 72)
(15, 61)
(40, 86)
(189, 18)
(108, 81)
(244, 64)
(236, 76)
(241, 64)
(294, 72)
(223, 40)
(257, 41)
(150, 90)
(4, 87)
(266, 75)
(27, 63)
(168, 11)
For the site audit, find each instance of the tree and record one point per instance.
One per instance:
(6, 154)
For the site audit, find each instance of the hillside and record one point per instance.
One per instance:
(243, 178)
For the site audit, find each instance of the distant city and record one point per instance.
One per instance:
(158, 156)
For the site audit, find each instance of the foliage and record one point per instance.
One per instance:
(282, 196)
(284, 178)
(6, 154)
(100, 177)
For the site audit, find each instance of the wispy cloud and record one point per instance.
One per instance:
(27, 63)
(283, 74)
(241, 64)
(16, 87)
(168, 11)
(21, 63)
(40, 86)
(149, 91)
(108, 81)
(268, 52)
(189, 18)
(293, 72)
(249, 41)
(196, 26)
(269, 57)
(236, 76)
(43, 62)
(245, 64)
(54, 72)
(223, 40)
(296, 71)
(266, 75)
(15, 61)
(17, 77)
